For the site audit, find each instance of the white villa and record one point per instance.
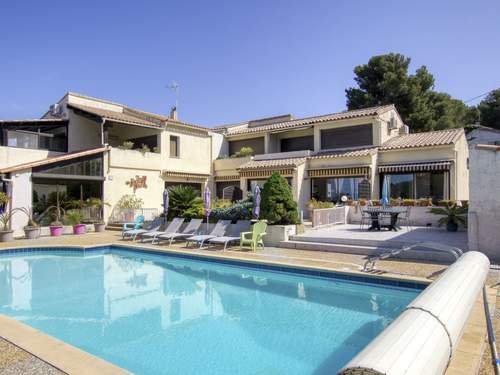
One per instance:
(88, 147)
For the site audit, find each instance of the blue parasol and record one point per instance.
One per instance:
(206, 199)
(165, 203)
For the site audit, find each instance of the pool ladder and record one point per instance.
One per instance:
(425, 246)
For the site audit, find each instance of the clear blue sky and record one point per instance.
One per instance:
(235, 60)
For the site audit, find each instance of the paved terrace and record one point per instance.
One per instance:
(467, 359)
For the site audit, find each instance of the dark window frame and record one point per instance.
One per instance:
(302, 143)
(177, 140)
(341, 137)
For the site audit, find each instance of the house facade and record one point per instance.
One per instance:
(86, 147)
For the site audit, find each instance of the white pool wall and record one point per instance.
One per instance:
(423, 338)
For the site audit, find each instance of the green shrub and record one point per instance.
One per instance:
(316, 204)
(240, 210)
(73, 217)
(130, 201)
(185, 201)
(144, 148)
(127, 145)
(244, 151)
(451, 213)
(277, 204)
(4, 199)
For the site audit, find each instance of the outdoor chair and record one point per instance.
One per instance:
(366, 219)
(133, 233)
(404, 218)
(137, 224)
(173, 227)
(218, 231)
(254, 238)
(234, 233)
(191, 228)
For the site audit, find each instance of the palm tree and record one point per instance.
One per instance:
(185, 201)
(453, 216)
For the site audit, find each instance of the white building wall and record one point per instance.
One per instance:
(21, 197)
(83, 133)
(11, 156)
(484, 203)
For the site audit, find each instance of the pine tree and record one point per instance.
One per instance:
(277, 203)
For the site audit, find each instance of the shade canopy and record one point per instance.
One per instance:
(256, 199)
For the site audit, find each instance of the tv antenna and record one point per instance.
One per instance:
(175, 87)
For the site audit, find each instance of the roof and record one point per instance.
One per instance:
(115, 116)
(272, 163)
(43, 121)
(426, 139)
(372, 111)
(344, 153)
(54, 159)
(134, 116)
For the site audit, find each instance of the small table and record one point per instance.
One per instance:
(392, 211)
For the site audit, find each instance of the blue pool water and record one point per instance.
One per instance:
(157, 314)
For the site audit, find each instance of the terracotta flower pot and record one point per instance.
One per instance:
(56, 230)
(79, 229)
(7, 236)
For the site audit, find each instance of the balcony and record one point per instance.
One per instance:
(230, 164)
(135, 159)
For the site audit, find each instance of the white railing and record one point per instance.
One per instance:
(121, 215)
(328, 216)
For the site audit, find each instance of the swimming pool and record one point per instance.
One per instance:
(160, 314)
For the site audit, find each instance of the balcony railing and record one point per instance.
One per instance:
(328, 216)
(125, 215)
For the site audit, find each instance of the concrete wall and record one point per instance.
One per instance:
(484, 203)
(10, 156)
(21, 197)
(83, 133)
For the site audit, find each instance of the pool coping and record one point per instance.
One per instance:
(72, 360)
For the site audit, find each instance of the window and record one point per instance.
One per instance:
(416, 185)
(174, 146)
(87, 166)
(297, 144)
(332, 189)
(348, 136)
(229, 190)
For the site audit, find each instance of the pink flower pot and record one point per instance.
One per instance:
(56, 231)
(79, 229)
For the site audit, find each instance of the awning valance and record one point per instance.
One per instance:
(266, 173)
(184, 175)
(334, 172)
(227, 178)
(443, 165)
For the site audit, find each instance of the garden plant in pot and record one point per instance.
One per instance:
(6, 234)
(453, 216)
(32, 229)
(74, 218)
(97, 205)
(56, 227)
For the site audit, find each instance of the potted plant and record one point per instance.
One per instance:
(96, 203)
(56, 227)
(32, 229)
(453, 215)
(129, 203)
(6, 234)
(74, 218)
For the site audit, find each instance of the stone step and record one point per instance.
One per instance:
(350, 241)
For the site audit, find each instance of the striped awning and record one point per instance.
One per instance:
(346, 171)
(264, 173)
(443, 165)
(227, 178)
(184, 175)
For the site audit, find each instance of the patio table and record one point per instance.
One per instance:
(375, 213)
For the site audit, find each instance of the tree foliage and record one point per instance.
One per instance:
(184, 201)
(489, 108)
(277, 204)
(385, 79)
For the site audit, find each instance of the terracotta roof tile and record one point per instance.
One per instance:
(307, 121)
(433, 138)
(116, 116)
(344, 153)
(272, 163)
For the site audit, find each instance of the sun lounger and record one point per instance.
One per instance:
(190, 230)
(133, 233)
(173, 227)
(218, 231)
(234, 231)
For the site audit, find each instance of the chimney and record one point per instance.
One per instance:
(173, 113)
